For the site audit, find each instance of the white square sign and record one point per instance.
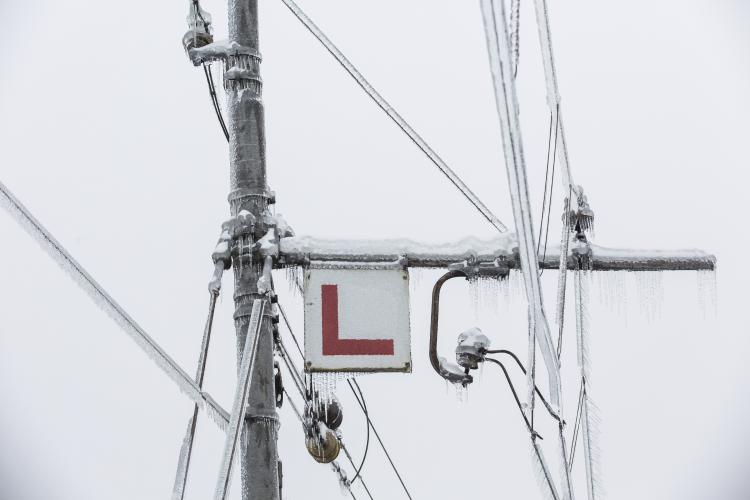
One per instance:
(357, 320)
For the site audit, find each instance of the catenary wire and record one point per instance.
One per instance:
(393, 115)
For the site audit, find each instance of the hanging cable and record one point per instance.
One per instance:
(523, 369)
(377, 436)
(367, 442)
(291, 332)
(547, 199)
(214, 99)
(515, 395)
(393, 115)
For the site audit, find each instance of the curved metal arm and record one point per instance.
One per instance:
(443, 369)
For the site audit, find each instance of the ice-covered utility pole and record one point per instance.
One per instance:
(249, 192)
(249, 198)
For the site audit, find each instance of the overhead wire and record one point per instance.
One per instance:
(367, 442)
(549, 408)
(393, 115)
(214, 99)
(377, 436)
(547, 201)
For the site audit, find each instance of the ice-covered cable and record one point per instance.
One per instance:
(68, 264)
(239, 406)
(507, 107)
(393, 115)
(562, 275)
(186, 450)
(553, 94)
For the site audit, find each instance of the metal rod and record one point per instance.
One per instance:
(186, 450)
(501, 251)
(249, 354)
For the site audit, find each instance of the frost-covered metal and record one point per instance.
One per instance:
(502, 250)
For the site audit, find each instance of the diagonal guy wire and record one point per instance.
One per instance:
(153, 350)
(393, 115)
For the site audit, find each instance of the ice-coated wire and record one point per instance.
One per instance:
(562, 274)
(553, 94)
(377, 436)
(84, 280)
(515, 33)
(393, 115)
(296, 377)
(288, 327)
(354, 466)
(239, 407)
(493, 15)
(186, 450)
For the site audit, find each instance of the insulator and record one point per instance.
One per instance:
(278, 385)
(324, 451)
(194, 39)
(472, 346)
(331, 414)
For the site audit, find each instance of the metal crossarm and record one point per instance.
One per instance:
(499, 251)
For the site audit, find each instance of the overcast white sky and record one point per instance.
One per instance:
(108, 136)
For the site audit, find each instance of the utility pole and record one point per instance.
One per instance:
(249, 192)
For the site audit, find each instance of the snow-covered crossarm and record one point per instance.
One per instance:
(500, 251)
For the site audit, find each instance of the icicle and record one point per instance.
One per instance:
(707, 293)
(587, 419)
(650, 293)
(542, 473)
